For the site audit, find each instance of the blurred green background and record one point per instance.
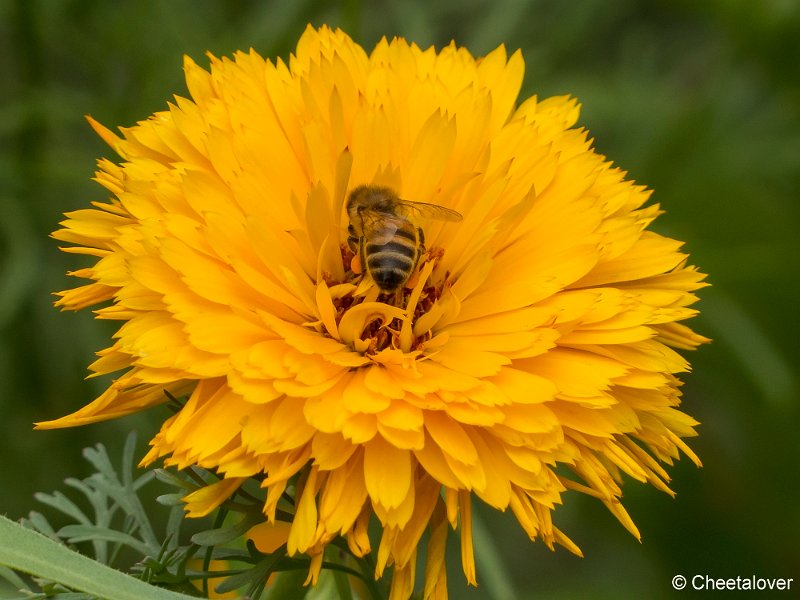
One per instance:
(698, 100)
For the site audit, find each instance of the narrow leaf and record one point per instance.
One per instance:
(223, 535)
(87, 533)
(170, 499)
(39, 522)
(61, 503)
(14, 579)
(174, 479)
(30, 552)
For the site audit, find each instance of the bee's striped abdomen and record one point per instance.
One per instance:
(392, 263)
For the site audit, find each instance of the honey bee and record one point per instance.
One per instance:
(384, 234)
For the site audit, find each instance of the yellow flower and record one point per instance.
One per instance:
(531, 353)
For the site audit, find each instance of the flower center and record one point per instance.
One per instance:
(390, 319)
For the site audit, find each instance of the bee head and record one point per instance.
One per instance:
(370, 197)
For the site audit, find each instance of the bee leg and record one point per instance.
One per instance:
(420, 249)
(352, 239)
(414, 277)
(398, 297)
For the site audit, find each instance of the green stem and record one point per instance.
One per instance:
(368, 570)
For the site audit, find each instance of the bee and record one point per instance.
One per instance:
(384, 234)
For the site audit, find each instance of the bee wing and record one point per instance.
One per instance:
(379, 227)
(429, 211)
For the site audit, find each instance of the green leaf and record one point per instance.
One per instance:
(223, 535)
(30, 552)
(178, 480)
(123, 492)
(102, 512)
(63, 504)
(87, 533)
(173, 530)
(37, 521)
(170, 499)
(251, 577)
(14, 579)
